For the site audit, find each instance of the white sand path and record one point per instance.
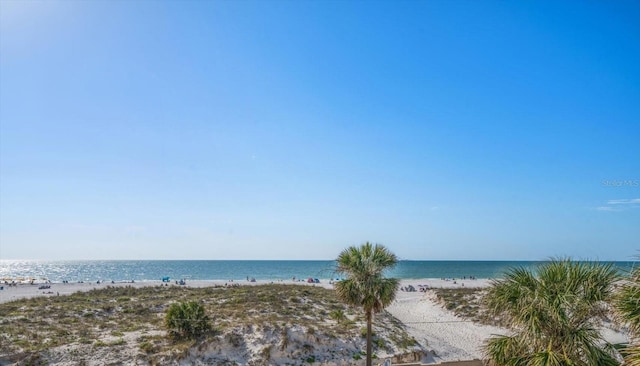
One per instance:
(446, 336)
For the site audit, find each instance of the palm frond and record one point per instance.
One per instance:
(553, 313)
(627, 306)
(631, 355)
(504, 350)
(349, 292)
(366, 285)
(628, 303)
(366, 260)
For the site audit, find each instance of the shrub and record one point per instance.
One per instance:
(311, 359)
(187, 320)
(266, 352)
(99, 343)
(147, 347)
(363, 333)
(284, 333)
(338, 315)
(234, 338)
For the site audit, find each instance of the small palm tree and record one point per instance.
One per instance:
(365, 284)
(553, 315)
(187, 320)
(627, 305)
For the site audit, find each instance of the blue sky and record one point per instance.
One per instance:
(290, 130)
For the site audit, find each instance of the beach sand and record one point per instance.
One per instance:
(445, 336)
(23, 291)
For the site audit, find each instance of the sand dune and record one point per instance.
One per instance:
(445, 336)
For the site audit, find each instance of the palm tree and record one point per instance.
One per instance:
(365, 284)
(627, 305)
(553, 315)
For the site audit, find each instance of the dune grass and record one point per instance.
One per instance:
(110, 317)
(467, 303)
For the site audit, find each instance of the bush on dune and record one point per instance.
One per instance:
(187, 320)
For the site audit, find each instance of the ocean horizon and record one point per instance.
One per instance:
(149, 270)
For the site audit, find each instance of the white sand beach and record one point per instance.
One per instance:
(435, 328)
(445, 336)
(23, 291)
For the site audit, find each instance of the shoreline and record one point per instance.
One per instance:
(25, 290)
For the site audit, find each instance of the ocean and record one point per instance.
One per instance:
(146, 270)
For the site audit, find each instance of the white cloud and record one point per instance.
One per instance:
(606, 208)
(620, 204)
(624, 201)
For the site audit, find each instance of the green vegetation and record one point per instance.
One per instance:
(365, 285)
(147, 347)
(338, 315)
(311, 359)
(463, 301)
(467, 303)
(100, 343)
(553, 315)
(102, 321)
(627, 304)
(187, 320)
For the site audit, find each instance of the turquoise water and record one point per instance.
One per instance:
(144, 270)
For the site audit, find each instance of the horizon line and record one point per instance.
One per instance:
(317, 260)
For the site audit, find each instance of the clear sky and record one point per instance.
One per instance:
(292, 129)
